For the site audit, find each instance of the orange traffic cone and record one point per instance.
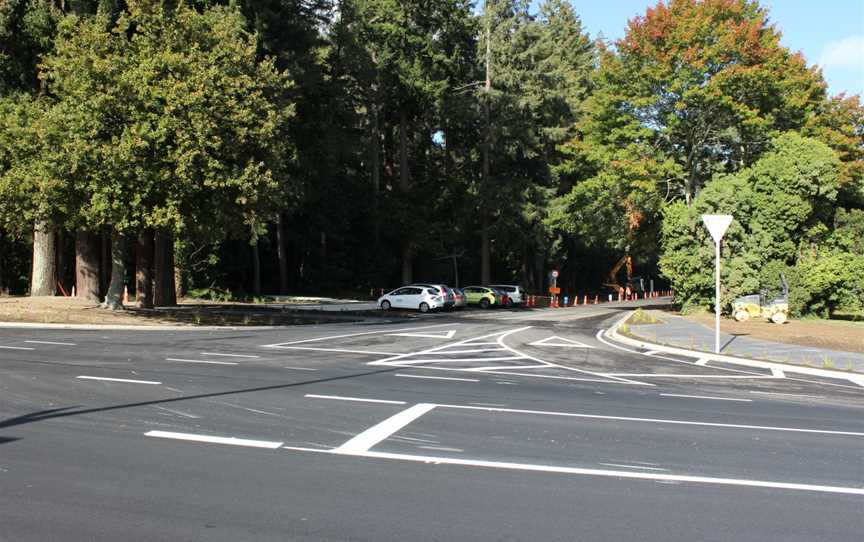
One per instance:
(125, 294)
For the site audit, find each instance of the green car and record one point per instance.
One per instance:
(480, 295)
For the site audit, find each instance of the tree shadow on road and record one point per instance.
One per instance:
(76, 410)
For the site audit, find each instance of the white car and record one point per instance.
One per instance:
(412, 297)
(514, 292)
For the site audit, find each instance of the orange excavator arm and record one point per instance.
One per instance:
(612, 276)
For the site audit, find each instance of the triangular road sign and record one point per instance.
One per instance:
(554, 340)
(441, 335)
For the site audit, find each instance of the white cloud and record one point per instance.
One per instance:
(846, 53)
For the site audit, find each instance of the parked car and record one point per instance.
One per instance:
(445, 291)
(412, 297)
(459, 297)
(514, 292)
(482, 295)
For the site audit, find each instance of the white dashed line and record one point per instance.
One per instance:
(705, 397)
(437, 377)
(215, 440)
(632, 467)
(229, 355)
(17, 348)
(51, 342)
(126, 380)
(357, 399)
(201, 361)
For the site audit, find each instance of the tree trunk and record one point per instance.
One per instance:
(87, 282)
(405, 185)
(104, 261)
(375, 164)
(44, 261)
(114, 297)
(281, 254)
(485, 268)
(164, 294)
(144, 256)
(256, 270)
(181, 280)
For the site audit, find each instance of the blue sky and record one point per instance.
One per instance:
(829, 33)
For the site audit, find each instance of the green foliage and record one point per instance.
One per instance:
(780, 205)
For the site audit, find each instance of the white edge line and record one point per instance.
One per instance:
(678, 375)
(202, 361)
(17, 348)
(126, 380)
(437, 377)
(381, 431)
(214, 440)
(705, 397)
(612, 473)
(355, 399)
(657, 420)
(51, 342)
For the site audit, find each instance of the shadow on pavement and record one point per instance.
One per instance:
(75, 411)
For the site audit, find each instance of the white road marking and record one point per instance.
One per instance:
(375, 434)
(441, 448)
(664, 375)
(300, 368)
(511, 367)
(458, 360)
(51, 342)
(561, 342)
(612, 473)
(202, 361)
(472, 343)
(331, 337)
(437, 377)
(229, 355)
(632, 467)
(648, 353)
(705, 397)
(302, 449)
(475, 351)
(444, 335)
(16, 348)
(777, 372)
(656, 420)
(215, 440)
(390, 360)
(177, 412)
(357, 399)
(119, 380)
(788, 394)
(702, 361)
(341, 350)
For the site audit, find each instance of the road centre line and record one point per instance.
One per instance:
(344, 351)
(279, 345)
(229, 355)
(215, 440)
(356, 399)
(17, 348)
(437, 377)
(126, 380)
(381, 431)
(705, 397)
(609, 473)
(658, 420)
(51, 342)
(202, 361)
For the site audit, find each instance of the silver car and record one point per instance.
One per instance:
(514, 292)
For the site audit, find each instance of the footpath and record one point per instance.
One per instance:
(679, 332)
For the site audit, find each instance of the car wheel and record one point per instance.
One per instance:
(742, 316)
(424, 307)
(778, 317)
(385, 305)
(484, 303)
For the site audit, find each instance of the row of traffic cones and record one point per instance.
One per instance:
(563, 302)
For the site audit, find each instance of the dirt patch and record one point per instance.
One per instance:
(71, 310)
(833, 335)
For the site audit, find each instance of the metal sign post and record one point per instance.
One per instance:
(717, 225)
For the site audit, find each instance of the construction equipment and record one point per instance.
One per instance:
(632, 285)
(757, 305)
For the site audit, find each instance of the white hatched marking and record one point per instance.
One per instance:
(442, 335)
(348, 335)
(340, 350)
(375, 434)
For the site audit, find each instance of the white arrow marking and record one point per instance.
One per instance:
(443, 335)
(554, 340)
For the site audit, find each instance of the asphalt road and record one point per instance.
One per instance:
(492, 426)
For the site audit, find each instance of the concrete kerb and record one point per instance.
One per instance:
(612, 333)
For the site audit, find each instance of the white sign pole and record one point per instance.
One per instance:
(717, 225)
